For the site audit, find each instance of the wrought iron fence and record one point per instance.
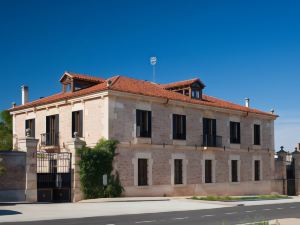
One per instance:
(211, 141)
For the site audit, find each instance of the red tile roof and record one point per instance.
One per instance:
(182, 83)
(134, 86)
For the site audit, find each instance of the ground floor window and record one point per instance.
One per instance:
(178, 171)
(257, 170)
(234, 171)
(208, 171)
(142, 172)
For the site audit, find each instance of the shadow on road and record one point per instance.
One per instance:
(8, 212)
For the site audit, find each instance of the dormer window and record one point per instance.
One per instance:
(196, 93)
(75, 82)
(192, 88)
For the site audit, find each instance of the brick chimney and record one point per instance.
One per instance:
(24, 94)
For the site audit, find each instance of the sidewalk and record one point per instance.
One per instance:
(99, 207)
(116, 206)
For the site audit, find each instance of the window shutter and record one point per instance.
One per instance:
(73, 123)
(214, 127)
(239, 132)
(231, 132)
(48, 125)
(149, 124)
(80, 128)
(56, 129)
(184, 127)
(138, 123)
(33, 128)
(174, 127)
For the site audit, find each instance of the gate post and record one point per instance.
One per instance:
(76, 194)
(281, 167)
(29, 145)
(296, 157)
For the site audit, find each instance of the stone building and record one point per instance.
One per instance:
(174, 139)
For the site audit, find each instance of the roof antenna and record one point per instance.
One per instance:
(153, 61)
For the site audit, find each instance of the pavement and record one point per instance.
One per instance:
(132, 210)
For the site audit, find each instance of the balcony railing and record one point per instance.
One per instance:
(211, 141)
(50, 139)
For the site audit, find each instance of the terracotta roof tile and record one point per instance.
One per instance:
(134, 86)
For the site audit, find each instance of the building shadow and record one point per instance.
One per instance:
(8, 212)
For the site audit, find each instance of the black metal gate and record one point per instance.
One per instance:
(54, 177)
(290, 176)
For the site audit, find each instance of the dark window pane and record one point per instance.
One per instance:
(179, 127)
(234, 171)
(178, 171)
(256, 134)
(235, 136)
(257, 170)
(142, 172)
(208, 171)
(143, 123)
(30, 124)
(209, 132)
(77, 123)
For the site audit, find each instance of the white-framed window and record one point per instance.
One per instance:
(234, 164)
(208, 168)
(257, 168)
(178, 169)
(142, 166)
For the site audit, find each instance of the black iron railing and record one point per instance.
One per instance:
(50, 139)
(211, 141)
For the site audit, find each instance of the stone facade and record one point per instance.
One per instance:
(112, 115)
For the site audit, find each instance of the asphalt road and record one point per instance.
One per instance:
(221, 216)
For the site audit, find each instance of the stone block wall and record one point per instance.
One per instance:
(12, 183)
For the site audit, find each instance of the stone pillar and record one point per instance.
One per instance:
(296, 157)
(29, 145)
(76, 194)
(280, 171)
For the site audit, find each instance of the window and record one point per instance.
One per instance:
(30, 124)
(196, 93)
(179, 127)
(142, 172)
(256, 134)
(235, 133)
(77, 119)
(178, 171)
(208, 171)
(209, 132)
(257, 170)
(234, 171)
(52, 130)
(143, 123)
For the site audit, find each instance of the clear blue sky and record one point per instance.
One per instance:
(238, 48)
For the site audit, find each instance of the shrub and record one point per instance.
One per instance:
(94, 163)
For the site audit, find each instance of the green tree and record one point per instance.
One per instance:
(5, 130)
(94, 163)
